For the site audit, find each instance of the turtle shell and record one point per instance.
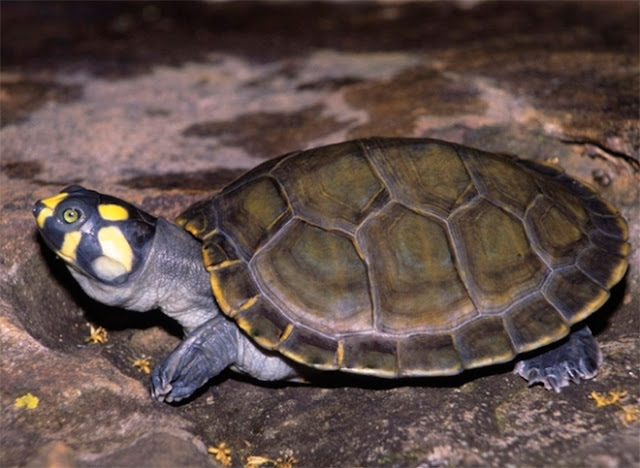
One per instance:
(408, 257)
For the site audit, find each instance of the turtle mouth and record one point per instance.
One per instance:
(41, 212)
(66, 259)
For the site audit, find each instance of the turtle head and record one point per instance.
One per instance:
(99, 236)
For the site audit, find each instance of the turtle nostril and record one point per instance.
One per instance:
(37, 208)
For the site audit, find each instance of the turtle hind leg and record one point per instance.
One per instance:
(575, 358)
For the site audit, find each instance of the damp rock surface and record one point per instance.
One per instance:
(164, 103)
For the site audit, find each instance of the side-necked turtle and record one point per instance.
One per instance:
(387, 257)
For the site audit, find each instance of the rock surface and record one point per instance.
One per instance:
(161, 103)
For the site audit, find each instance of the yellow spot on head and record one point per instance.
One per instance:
(116, 247)
(112, 212)
(108, 269)
(70, 245)
(52, 202)
(28, 401)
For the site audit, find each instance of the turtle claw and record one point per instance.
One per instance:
(170, 381)
(575, 359)
(160, 385)
(167, 392)
(159, 390)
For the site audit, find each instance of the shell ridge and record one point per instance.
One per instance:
(458, 257)
(469, 156)
(366, 147)
(372, 289)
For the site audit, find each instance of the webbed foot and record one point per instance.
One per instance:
(206, 352)
(574, 359)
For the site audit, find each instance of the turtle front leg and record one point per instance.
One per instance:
(577, 357)
(206, 352)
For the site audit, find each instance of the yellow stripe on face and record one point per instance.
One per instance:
(69, 245)
(52, 202)
(49, 206)
(43, 215)
(112, 212)
(115, 246)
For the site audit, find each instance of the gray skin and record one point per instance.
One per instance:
(174, 280)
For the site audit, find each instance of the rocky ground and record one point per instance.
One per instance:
(162, 103)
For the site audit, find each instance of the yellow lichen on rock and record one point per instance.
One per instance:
(96, 335)
(222, 453)
(286, 460)
(27, 401)
(256, 461)
(628, 414)
(614, 397)
(143, 365)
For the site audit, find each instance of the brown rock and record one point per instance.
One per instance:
(162, 103)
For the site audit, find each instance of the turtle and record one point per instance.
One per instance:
(388, 257)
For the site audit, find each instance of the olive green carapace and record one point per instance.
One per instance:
(408, 257)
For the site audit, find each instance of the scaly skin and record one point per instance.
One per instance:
(212, 341)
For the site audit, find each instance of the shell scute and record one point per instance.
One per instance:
(603, 267)
(555, 235)
(403, 282)
(428, 355)
(426, 175)
(495, 255)
(263, 322)
(613, 226)
(483, 342)
(370, 355)
(334, 187)
(251, 213)
(232, 286)
(533, 323)
(502, 181)
(312, 348)
(573, 293)
(316, 277)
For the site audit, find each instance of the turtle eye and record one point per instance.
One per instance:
(71, 215)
